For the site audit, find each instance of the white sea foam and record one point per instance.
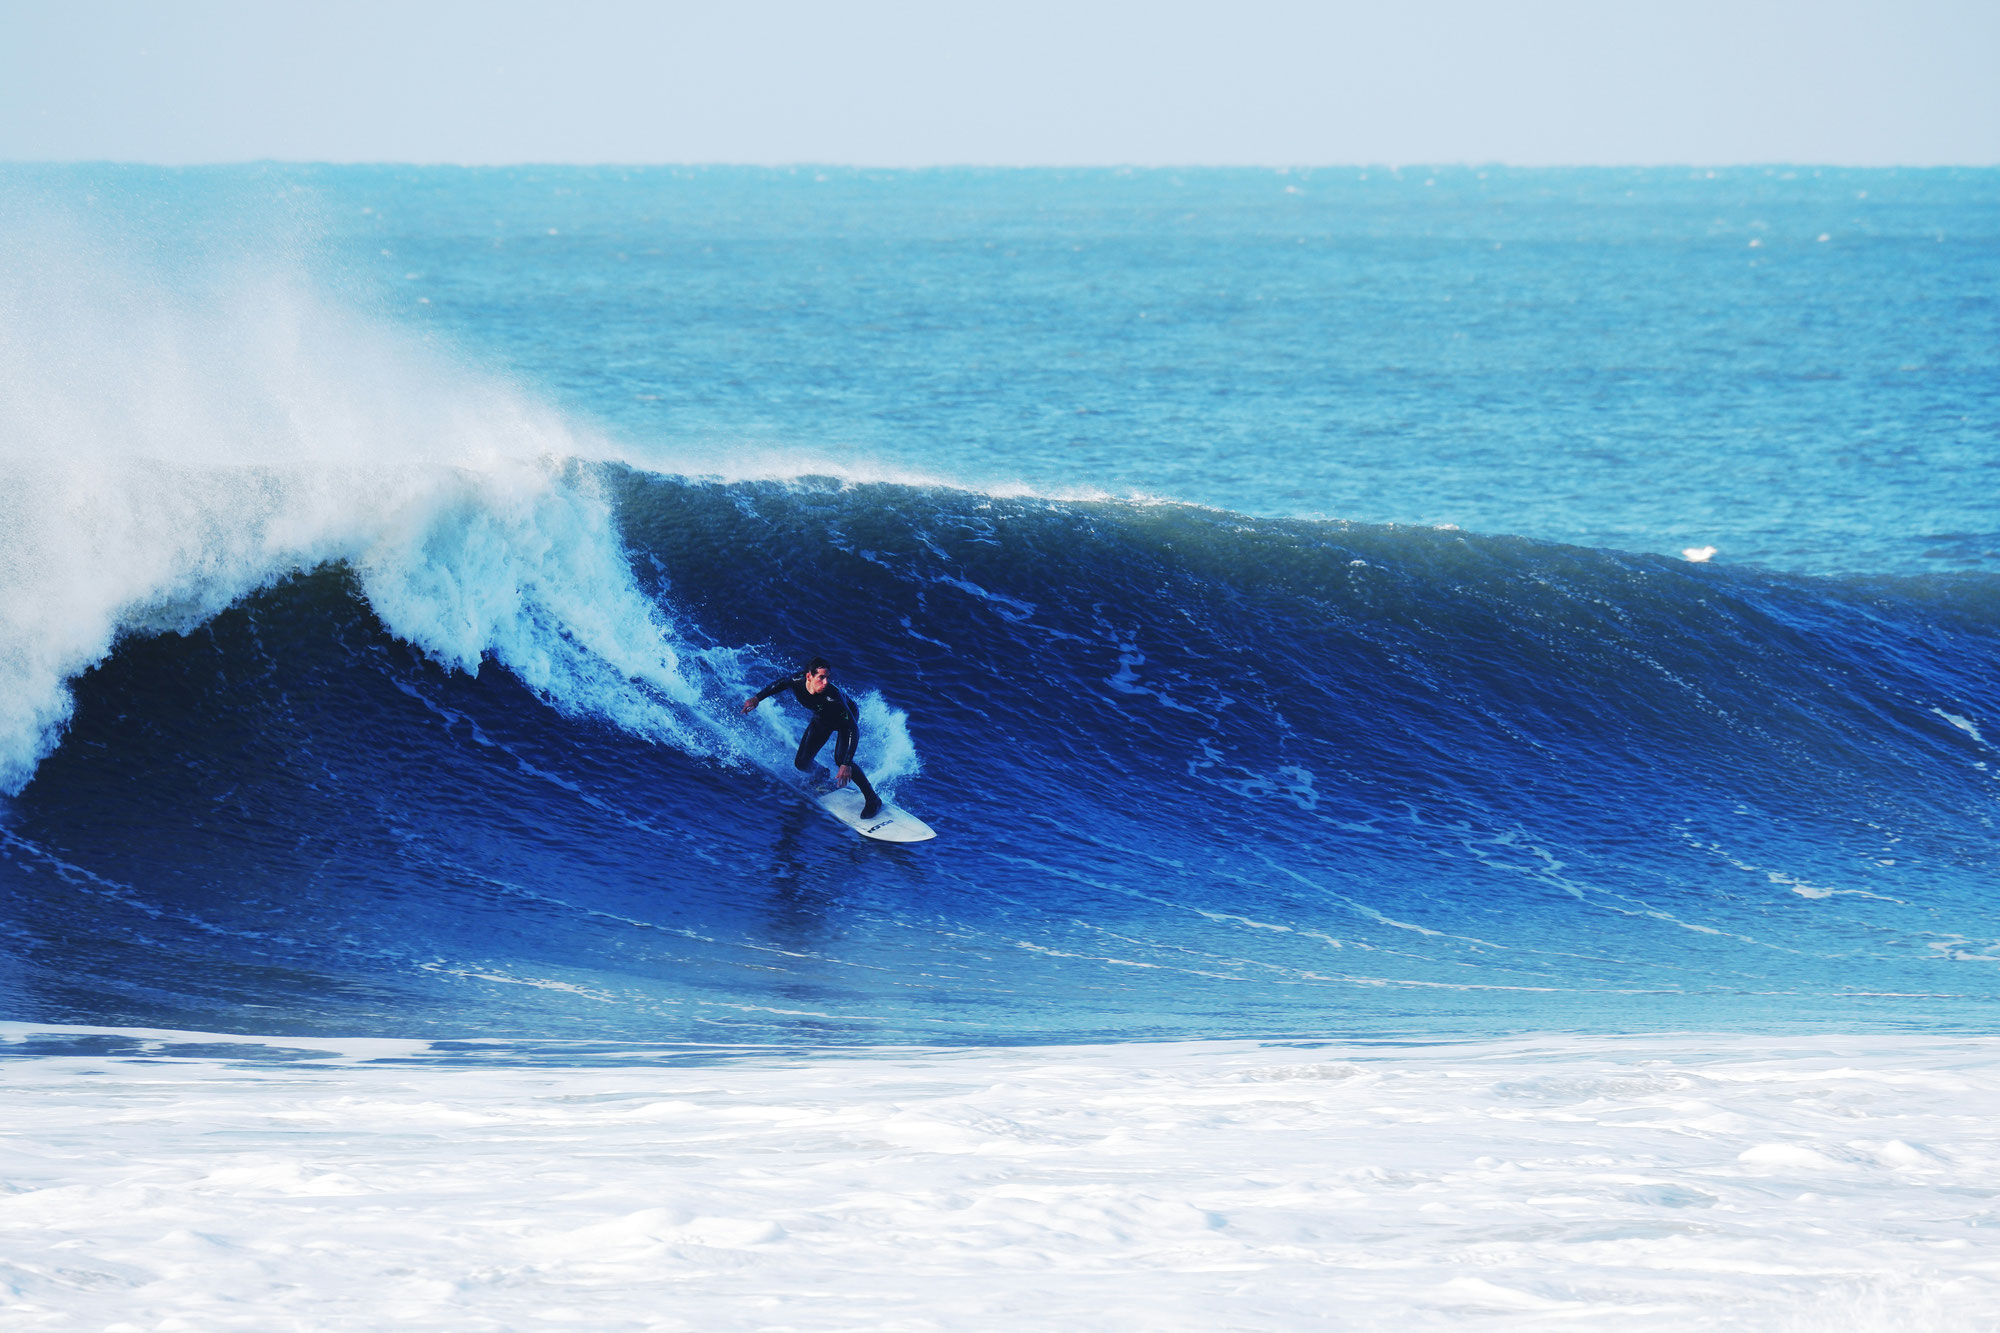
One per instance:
(740, 461)
(1670, 1183)
(164, 454)
(1964, 724)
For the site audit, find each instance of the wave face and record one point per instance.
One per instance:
(1193, 774)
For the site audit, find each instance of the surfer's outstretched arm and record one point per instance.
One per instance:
(775, 687)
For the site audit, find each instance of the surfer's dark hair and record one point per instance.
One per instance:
(818, 664)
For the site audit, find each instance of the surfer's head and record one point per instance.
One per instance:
(817, 674)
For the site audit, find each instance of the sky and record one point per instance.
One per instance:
(1283, 82)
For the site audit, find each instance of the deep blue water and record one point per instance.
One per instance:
(1270, 586)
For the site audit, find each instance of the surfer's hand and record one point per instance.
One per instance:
(749, 704)
(842, 776)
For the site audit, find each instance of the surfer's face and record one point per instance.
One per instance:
(815, 681)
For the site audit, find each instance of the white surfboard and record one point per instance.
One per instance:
(892, 823)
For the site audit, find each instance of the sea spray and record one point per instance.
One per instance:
(171, 443)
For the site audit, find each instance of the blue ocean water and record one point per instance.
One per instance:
(1274, 587)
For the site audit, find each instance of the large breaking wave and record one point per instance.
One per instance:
(343, 688)
(1194, 774)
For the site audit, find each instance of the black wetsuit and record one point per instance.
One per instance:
(832, 715)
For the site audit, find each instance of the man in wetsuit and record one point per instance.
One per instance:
(832, 714)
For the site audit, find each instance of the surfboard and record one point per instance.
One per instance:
(892, 823)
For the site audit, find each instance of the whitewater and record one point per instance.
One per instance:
(200, 1181)
(1458, 708)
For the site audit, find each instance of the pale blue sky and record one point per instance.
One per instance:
(1531, 82)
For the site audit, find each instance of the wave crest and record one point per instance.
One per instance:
(169, 447)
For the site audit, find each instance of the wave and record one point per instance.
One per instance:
(164, 454)
(344, 688)
(1195, 774)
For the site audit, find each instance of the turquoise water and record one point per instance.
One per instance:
(1801, 368)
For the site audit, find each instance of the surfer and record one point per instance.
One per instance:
(832, 714)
